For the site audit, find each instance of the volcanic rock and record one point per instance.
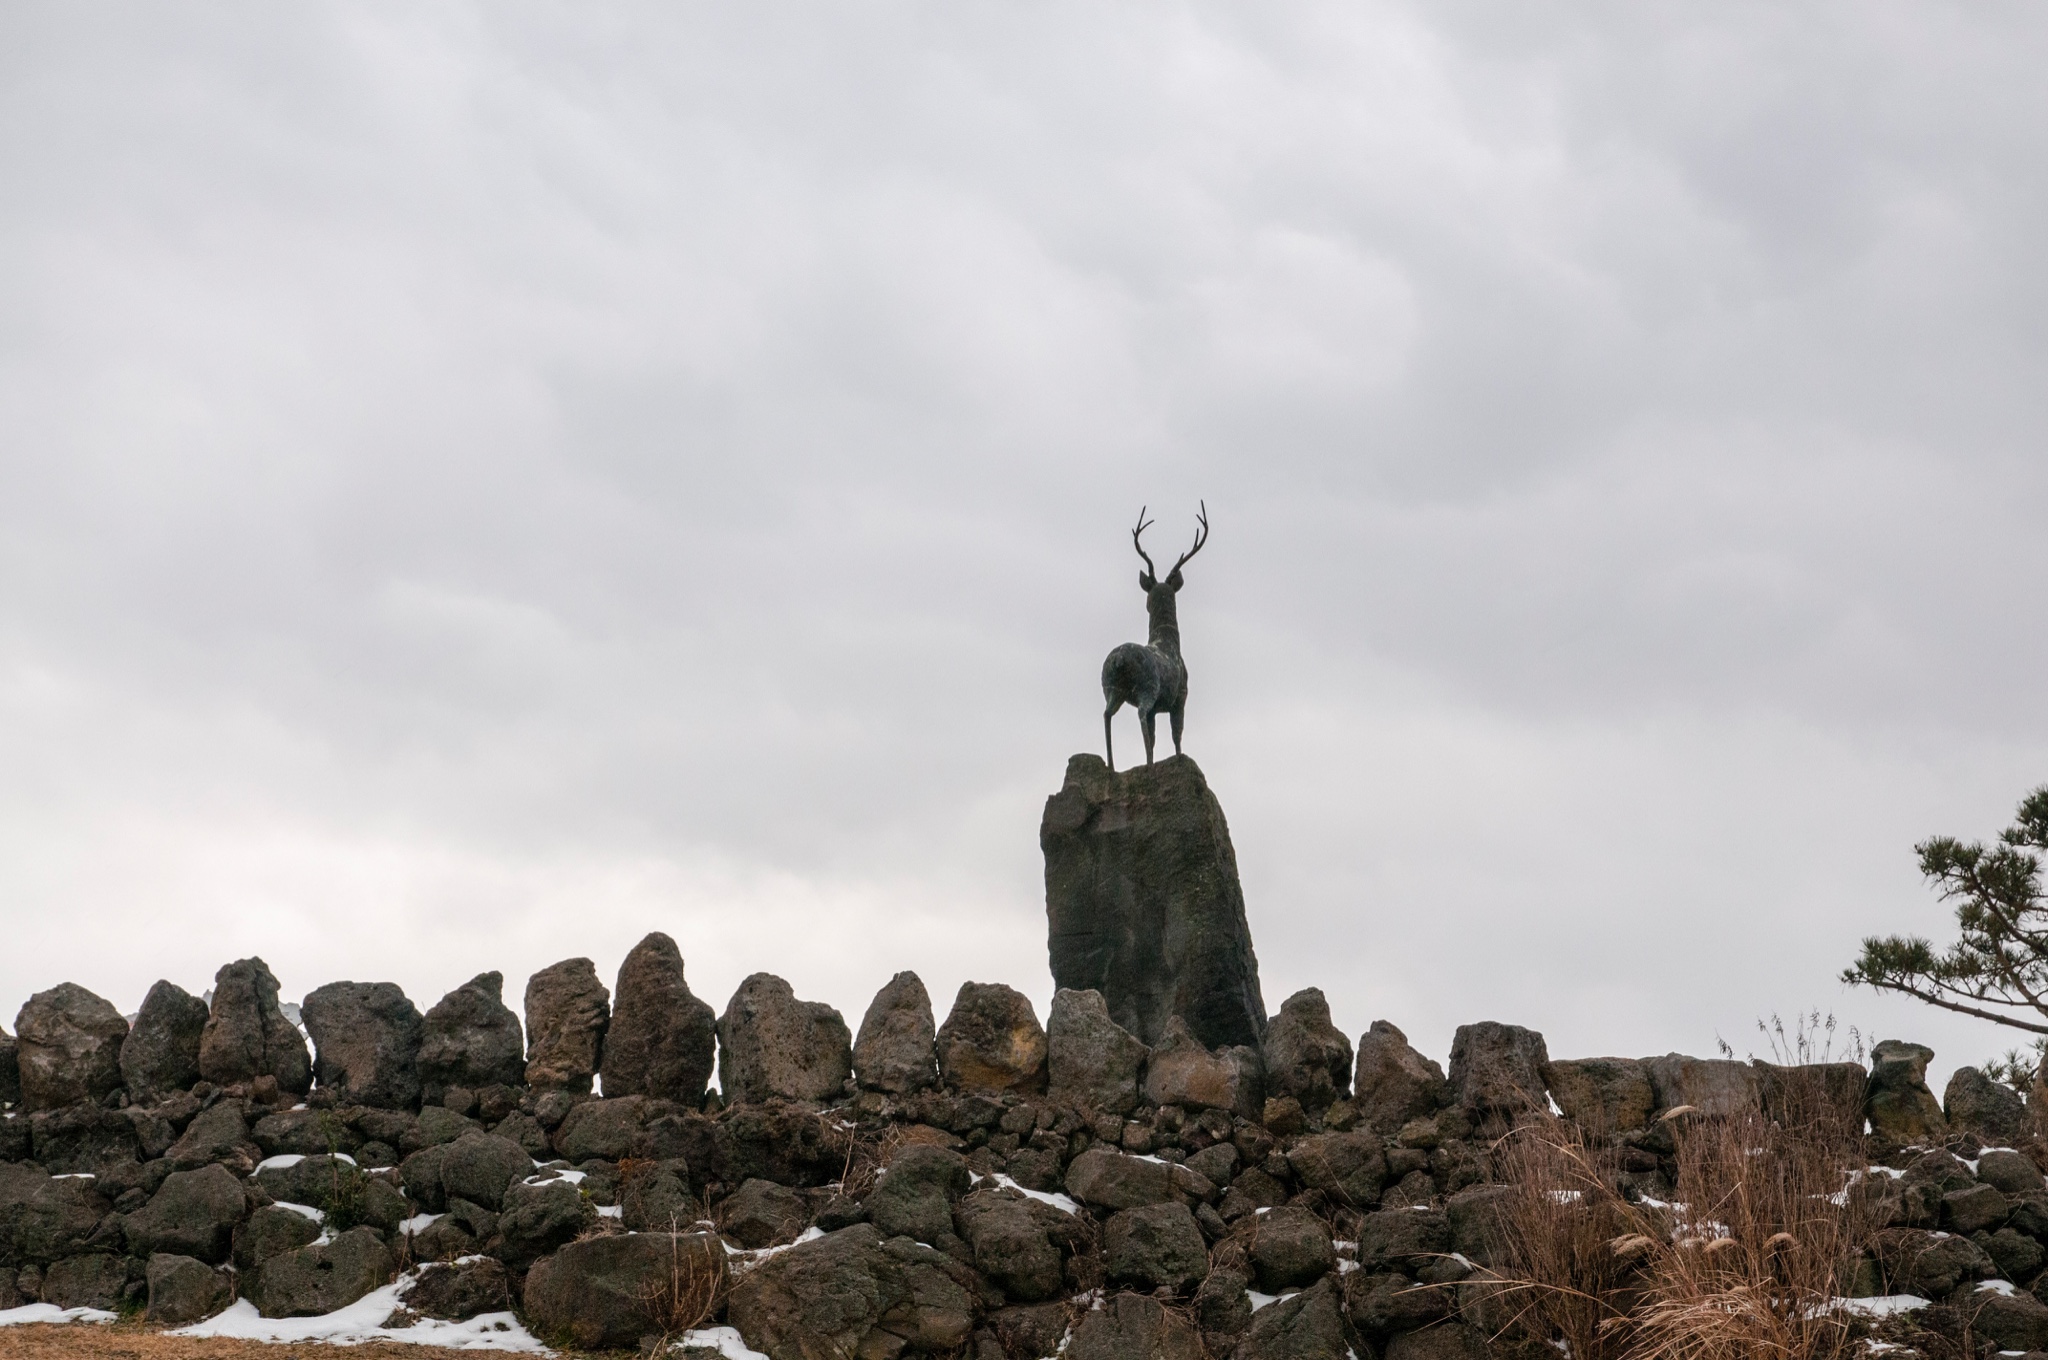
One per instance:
(471, 1039)
(161, 1053)
(772, 1046)
(896, 1050)
(661, 1039)
(366, 1043)
(992, 1043)
(1305, 1055)
(68, 1047)
(246, 1035)
(1093, 1062)
(567, 1010)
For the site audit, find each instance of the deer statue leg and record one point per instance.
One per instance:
(1109, 734)
(1177, 715)
(1145, 718)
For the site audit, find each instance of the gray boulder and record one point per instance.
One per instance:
(657, 1200)
(481, 1167)
(1012, 1239)
(1497, 1069)
(1155, 1246)
(218, 1134)
(193, 1213)
(540, 1218)
(611, 1129)
(1103, 1178)
(608, 1292)
(1394, 1083)
(1974, 1103)
(1292, 1248)
(94, 1281)
(1602, 1095)
(1305, 1326)
(1143, 904)
(1713, 1086)
(992, 1043)
(761, 1213)
(161, 1053)
(772, 1046)
(456, 1291)
(1403, 1239)
(1134, 1327)
(1180, 1071)
(183, 1290)
(1899, 1103)
(68, 1047)
(471, 1039)
(1305, 1055)
(897, 1048)
(1222, 1308)
(323, 1277)
(2012, 1173)
(1093, 1063)
(854, 1293)
(271, 1231)
(567, 1010)
(44, 1218)
(916, 1193)
(246, 1035)
(366, 1043)
(1350, 1168)
(2013, 1322)
(662, 1039)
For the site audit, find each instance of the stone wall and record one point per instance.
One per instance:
(988, 1185)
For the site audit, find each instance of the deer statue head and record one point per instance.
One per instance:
(1151, 676)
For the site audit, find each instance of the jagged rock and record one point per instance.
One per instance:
(1143, 903)
(1305, 1326)
(366, 1043)
(161, 1053)
(194, 1213)
(772, 1046)
(761, 1213)
(1134, 1327)
(1387, 1303)
(1402, 1239)
(324, 1276)
(44, 1219)
(567, 1010)
(1498, 1069)
(1713, 1086)
(540, 1218)
(1306, 1056)
(1093, 1062)
(897, 1049)
(10, 1070)
(86, 1282)
(608, 1292)
(917, 1191)
(480, 1167)
(779, 1142)
(1974, 1103)
(992, 1043)
(459, 1290)
(1394, 1083)
(1899, 1104)
(1222, 1308)
(1154, 1246)
(1180, 1071)
(1602, 1095)
(1930, 1264)
(853, 1293)
(271, 1231)
(1807, 1094)
(658, 1200)
(1105, 1179)
(2012, 1173)
(1012, 1239)
(1350, 1168)
(2013, 1322)
(68, 1047)
(304, 1132)
(1975, 1209)
(471, 1039)
(84, 1138)
(661, 1039)
(1291, 1249)
(246, 1035)
(183, 1290)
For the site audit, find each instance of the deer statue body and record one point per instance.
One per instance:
(1151, 677)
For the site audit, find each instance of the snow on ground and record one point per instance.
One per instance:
(1884, 1305)
(363, 1321)
(50, 1312)
(1057, 1201)
(724, 1342)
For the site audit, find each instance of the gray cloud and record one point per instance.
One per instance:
(484, 482)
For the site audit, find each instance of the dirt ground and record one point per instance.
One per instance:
(133, 1341)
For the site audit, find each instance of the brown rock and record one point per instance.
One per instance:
(662, 1039)
(992, 1042)
(567, 1010)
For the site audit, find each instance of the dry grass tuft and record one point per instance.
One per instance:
(691, 1290)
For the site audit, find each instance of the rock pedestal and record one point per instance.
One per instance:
(247, 1036)
(366, 1043)
(1143, 905)
(471, 1039)
(662, 1038)
(161, 1053)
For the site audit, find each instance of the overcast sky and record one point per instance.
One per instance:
(484, 482)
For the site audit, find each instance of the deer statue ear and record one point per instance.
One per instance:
(1145, 581)
(1174, 580)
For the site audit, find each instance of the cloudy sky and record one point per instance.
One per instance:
(482, 482)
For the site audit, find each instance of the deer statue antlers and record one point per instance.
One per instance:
(1151, 676)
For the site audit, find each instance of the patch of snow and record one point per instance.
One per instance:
(743, 1260)
(1463, 1260)
(2004, 1287)
(75, 1176)
(281, 1161)
(722, 1341)
(419, 1223)
(304, 1209)
(549, 1177)
(1345, 1265)
(50, 1312)
(611, 1211)
(1056, 1200)
(363, 1321)
(1565, 1196)
(1884, 1305)
(1261, 1300)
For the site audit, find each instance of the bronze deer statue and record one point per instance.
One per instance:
(1151, 677)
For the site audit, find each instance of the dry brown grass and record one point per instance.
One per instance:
(135, 1341)
(689, 1293)
(1744, 1265)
